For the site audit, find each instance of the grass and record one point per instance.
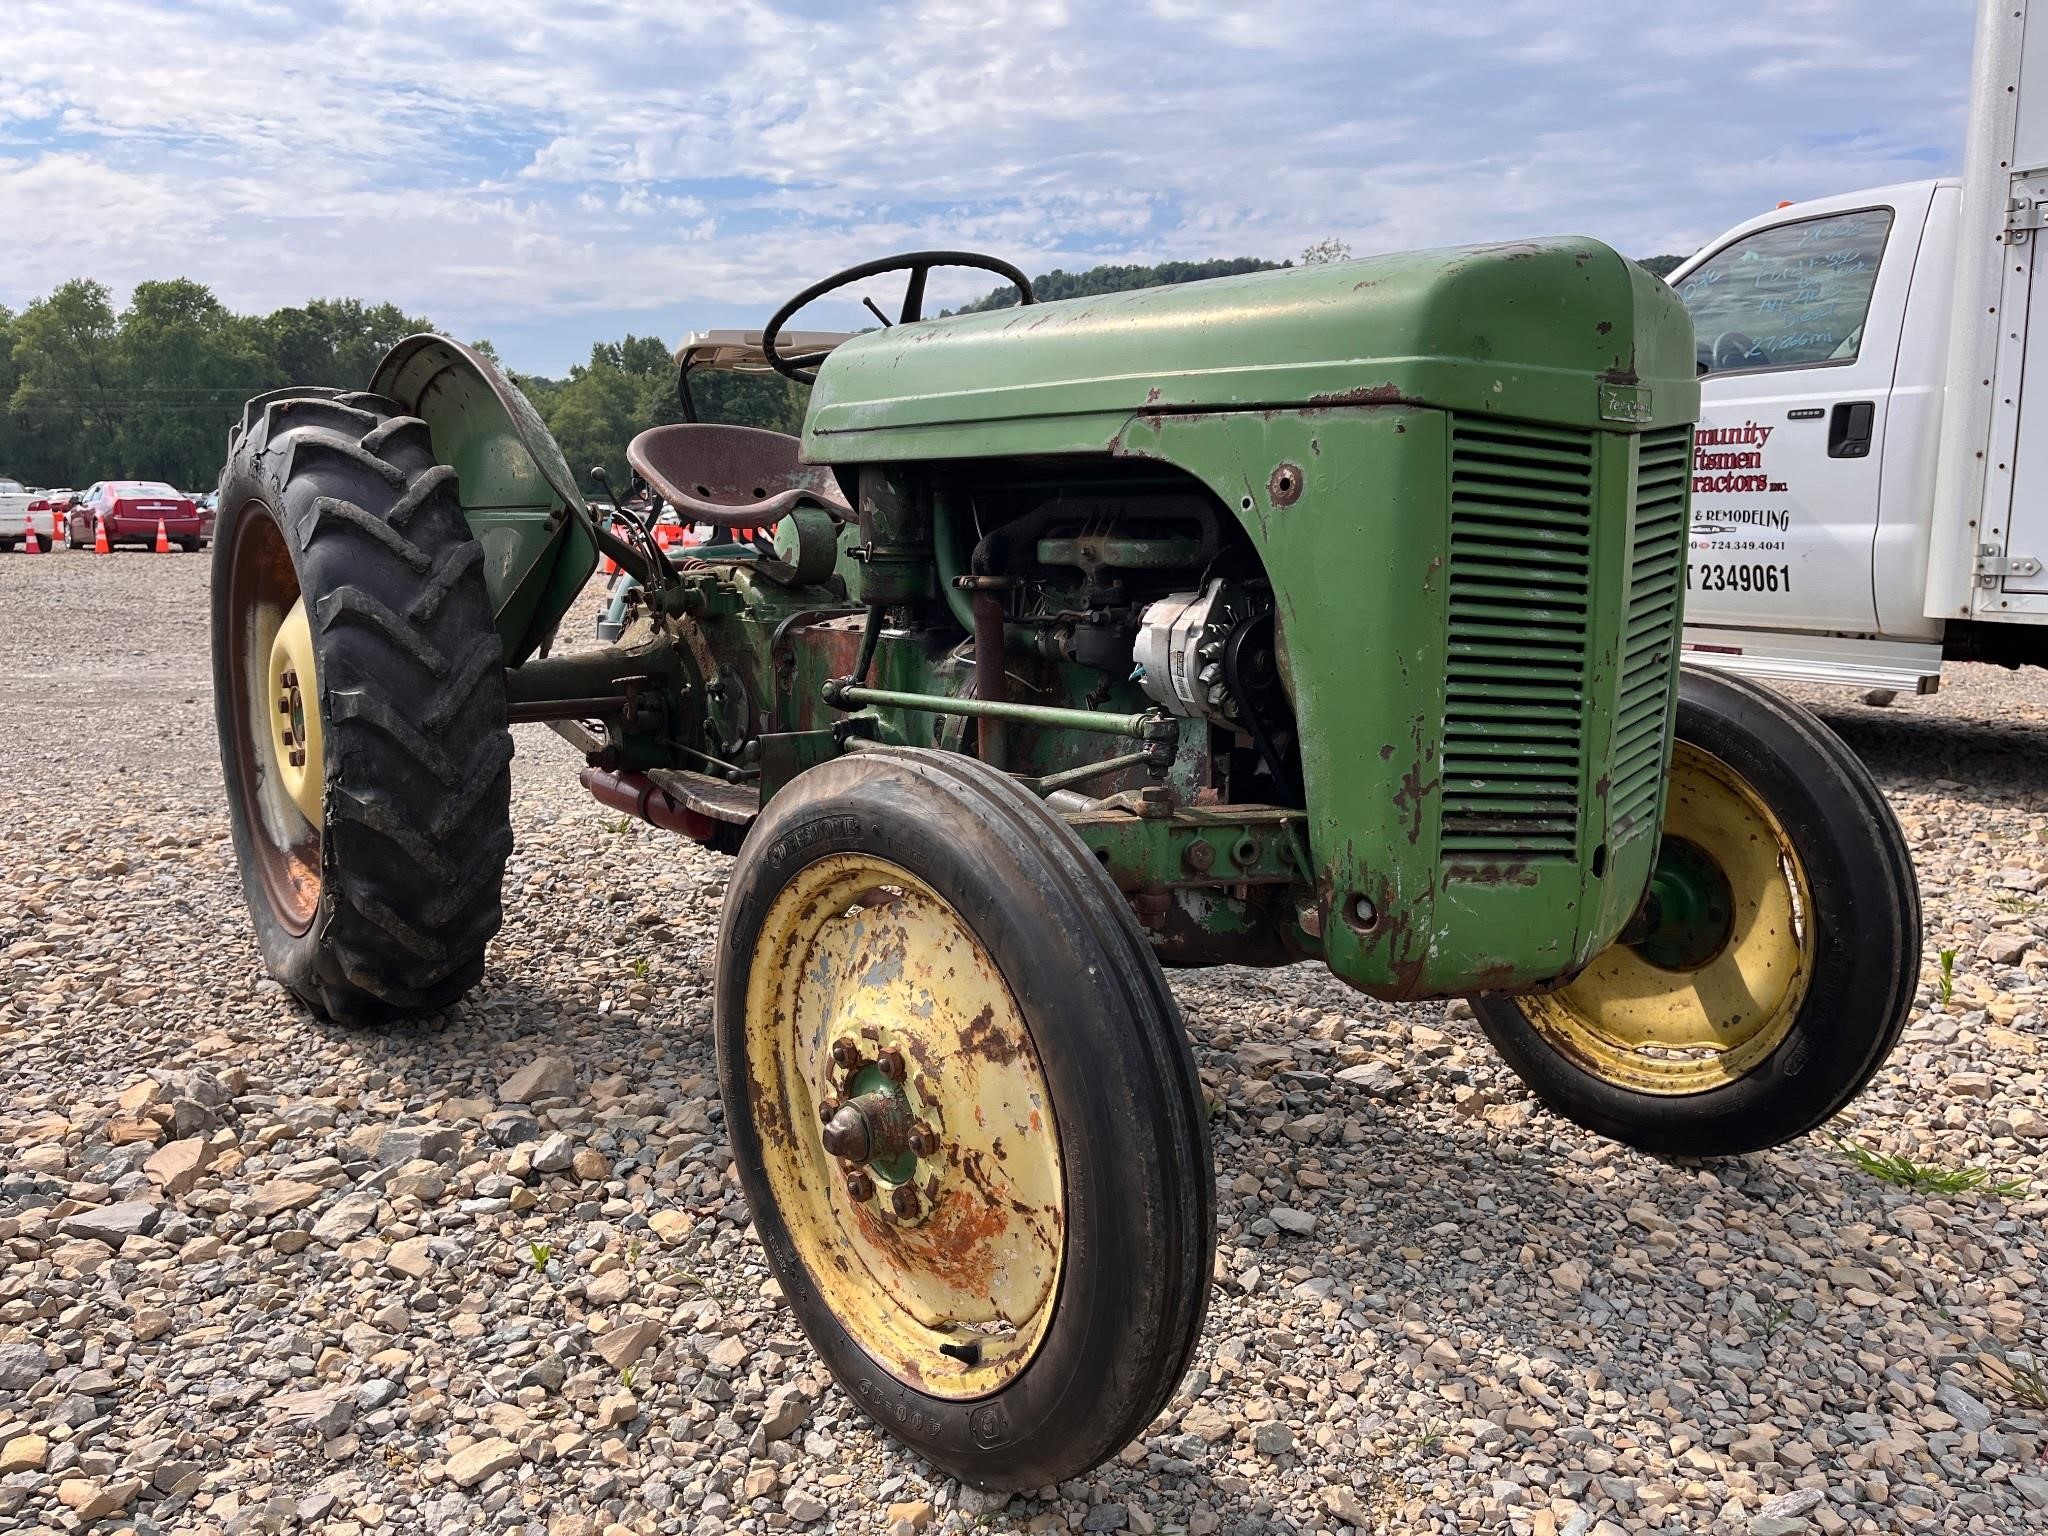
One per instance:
(1945, 984)
(1926, 1178)
(540, 1253)
(2018, 1380)
(626, 1376)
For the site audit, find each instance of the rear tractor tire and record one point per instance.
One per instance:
(1783, 959)
(360, 702)
(964, 1114)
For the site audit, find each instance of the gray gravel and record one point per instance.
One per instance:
(494, 1272)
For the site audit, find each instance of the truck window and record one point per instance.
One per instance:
(1791, 296)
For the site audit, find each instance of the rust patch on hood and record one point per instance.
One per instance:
(1364, 394)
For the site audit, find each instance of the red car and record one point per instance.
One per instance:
(131, 510)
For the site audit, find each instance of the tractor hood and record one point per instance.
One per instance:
(1560, 331)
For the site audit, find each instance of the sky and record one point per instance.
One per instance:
(547, 173)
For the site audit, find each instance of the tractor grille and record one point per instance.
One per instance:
(1656, 553)
(1520, 590)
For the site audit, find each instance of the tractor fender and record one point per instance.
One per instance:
(517, 492)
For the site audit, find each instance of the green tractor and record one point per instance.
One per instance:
(1328, 614)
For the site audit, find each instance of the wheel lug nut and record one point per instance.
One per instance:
(828, 1109)
(904, 1202)
(891, 1063)
(859, 1185)
(845, 1054)
(924, 1141)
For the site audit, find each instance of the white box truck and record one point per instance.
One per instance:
(1870, 488)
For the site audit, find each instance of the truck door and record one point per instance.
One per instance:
(1798, 323)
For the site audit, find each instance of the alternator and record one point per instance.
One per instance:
(1180, 650)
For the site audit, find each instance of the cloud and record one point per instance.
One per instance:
(488, 162)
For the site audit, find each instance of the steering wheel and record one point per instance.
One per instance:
(803, 367)
(1734, 349)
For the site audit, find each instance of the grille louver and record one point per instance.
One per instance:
(1656, 553)
(1520, 587)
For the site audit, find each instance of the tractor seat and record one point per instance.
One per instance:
(732, 477)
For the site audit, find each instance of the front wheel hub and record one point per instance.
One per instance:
(874, 1128)
(294, 713)
(914, 1156)
(1692, 906)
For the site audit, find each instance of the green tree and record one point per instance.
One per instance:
(68, 392)
(626, 387)
(14, 435)
(185, 366)
(332, 341)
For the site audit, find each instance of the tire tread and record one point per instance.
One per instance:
(417, 811)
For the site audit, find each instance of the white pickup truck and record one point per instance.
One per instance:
(1870, 492)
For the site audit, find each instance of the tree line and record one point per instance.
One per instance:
(148, 392)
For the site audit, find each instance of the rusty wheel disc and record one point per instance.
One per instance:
(273, 694)
(906, 1125)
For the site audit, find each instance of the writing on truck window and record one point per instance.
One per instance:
(1789, 296)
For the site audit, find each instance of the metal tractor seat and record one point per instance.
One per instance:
(732, 477)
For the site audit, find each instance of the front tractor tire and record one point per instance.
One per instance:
(360, 703)
(964, 1114)
(1775, 963)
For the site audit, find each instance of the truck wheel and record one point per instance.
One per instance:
(360, 701)
(1783, 958)
(964, 1114)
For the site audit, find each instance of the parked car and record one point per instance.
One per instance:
(17, 511)
(49, 510)
(131, 510)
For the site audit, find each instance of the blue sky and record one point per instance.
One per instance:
(551, 172)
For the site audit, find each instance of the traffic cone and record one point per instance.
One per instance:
(29, 545)
(59, 534)
(163, 538)
(100, 546)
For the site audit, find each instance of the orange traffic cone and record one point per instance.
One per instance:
(163, 538)
(100, 546)
(29, 546)
(59, 534)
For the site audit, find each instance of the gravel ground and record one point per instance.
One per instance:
(262, 1273)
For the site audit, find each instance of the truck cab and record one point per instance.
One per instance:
(1864, 473)
(1822, 338)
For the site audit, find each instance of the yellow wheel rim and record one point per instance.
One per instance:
(293, 714)
(1683, 1029)
(877, 1022)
